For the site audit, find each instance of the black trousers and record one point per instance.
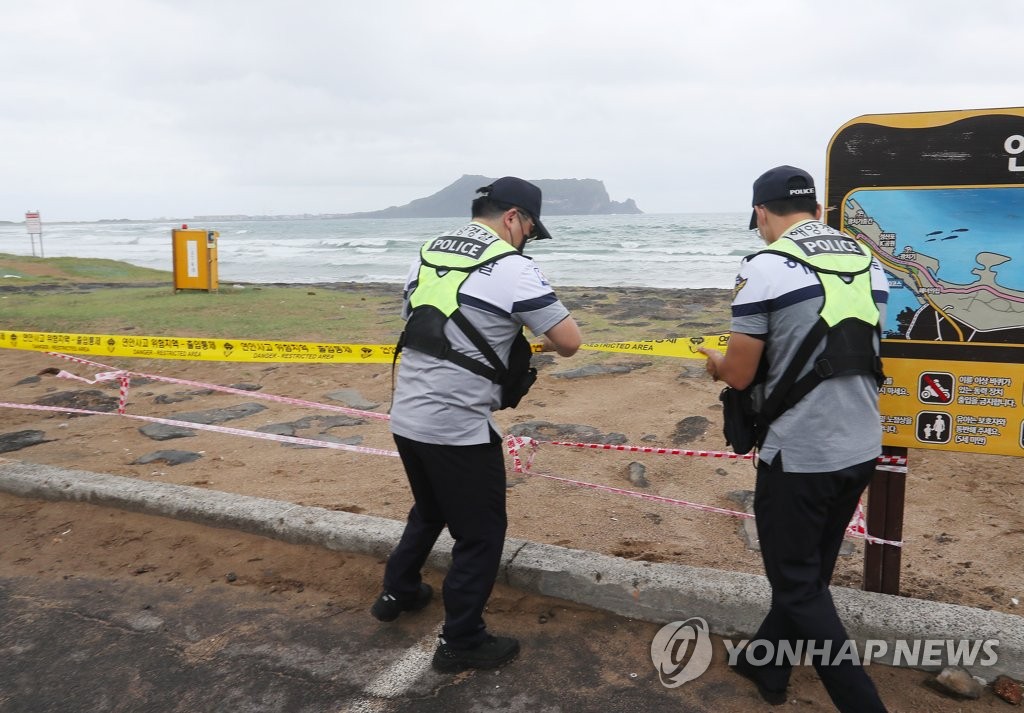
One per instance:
(462, 487)
(801, 519)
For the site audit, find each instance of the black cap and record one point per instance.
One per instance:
(521, 194)
(780, 183)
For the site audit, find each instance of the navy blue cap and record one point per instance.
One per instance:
(520, 194)
(780, 183)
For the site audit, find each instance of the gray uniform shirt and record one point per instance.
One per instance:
(439, 402)
(837, 425)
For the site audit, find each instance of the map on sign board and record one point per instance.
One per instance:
(954, 258)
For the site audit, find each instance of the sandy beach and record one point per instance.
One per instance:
(962, 530)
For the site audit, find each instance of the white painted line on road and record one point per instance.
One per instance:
(366, 705)
(396, 679)
(405, 671)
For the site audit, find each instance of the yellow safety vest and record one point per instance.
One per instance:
(848, 319)
(445, 263)
(843, 265)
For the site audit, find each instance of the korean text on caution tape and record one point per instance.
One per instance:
(269, 350)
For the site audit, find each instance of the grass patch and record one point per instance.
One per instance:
(285, 313)
(86, 296)
(36, 270)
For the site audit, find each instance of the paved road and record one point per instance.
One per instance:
(84, 644)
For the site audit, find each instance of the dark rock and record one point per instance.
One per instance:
(220, 415)
(339, 421)
(247, 387)
(694, 370)
(637, 475)
(599, 370)
(278, 429)
(169, 457)
(547, 431)
(172, 398)
(87, 399)
(17, 440)
(689, 429)
(542, 360)
(352, 399)
(163, 432)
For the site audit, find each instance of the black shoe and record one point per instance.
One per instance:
(493, 652)
(388, 606)
(769, 696)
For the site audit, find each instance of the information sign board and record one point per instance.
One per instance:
(939, 199)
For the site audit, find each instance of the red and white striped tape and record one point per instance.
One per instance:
(891, 463)
(118, 373)
(652, 449)
(515, 444)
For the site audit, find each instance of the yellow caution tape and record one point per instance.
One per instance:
(683, 347)
(267, 350)
(198, 348)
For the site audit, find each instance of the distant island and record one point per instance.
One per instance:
(562, 196)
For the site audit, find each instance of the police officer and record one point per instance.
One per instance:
(823, 435)
(466, 301)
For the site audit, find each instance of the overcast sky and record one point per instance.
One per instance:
(148, 108)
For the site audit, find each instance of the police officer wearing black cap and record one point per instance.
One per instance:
(806, 313)
(466, 300)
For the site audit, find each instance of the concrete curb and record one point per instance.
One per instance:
(732, 603)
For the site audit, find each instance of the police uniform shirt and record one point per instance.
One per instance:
(437, 401)
(837, 425)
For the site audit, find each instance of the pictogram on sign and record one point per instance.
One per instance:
(934, 427)
(935, 387)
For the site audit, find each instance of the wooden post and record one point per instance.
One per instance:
(886, 498)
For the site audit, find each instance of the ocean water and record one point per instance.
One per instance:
(649, 250)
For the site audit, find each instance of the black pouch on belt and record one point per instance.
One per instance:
(740, 418)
